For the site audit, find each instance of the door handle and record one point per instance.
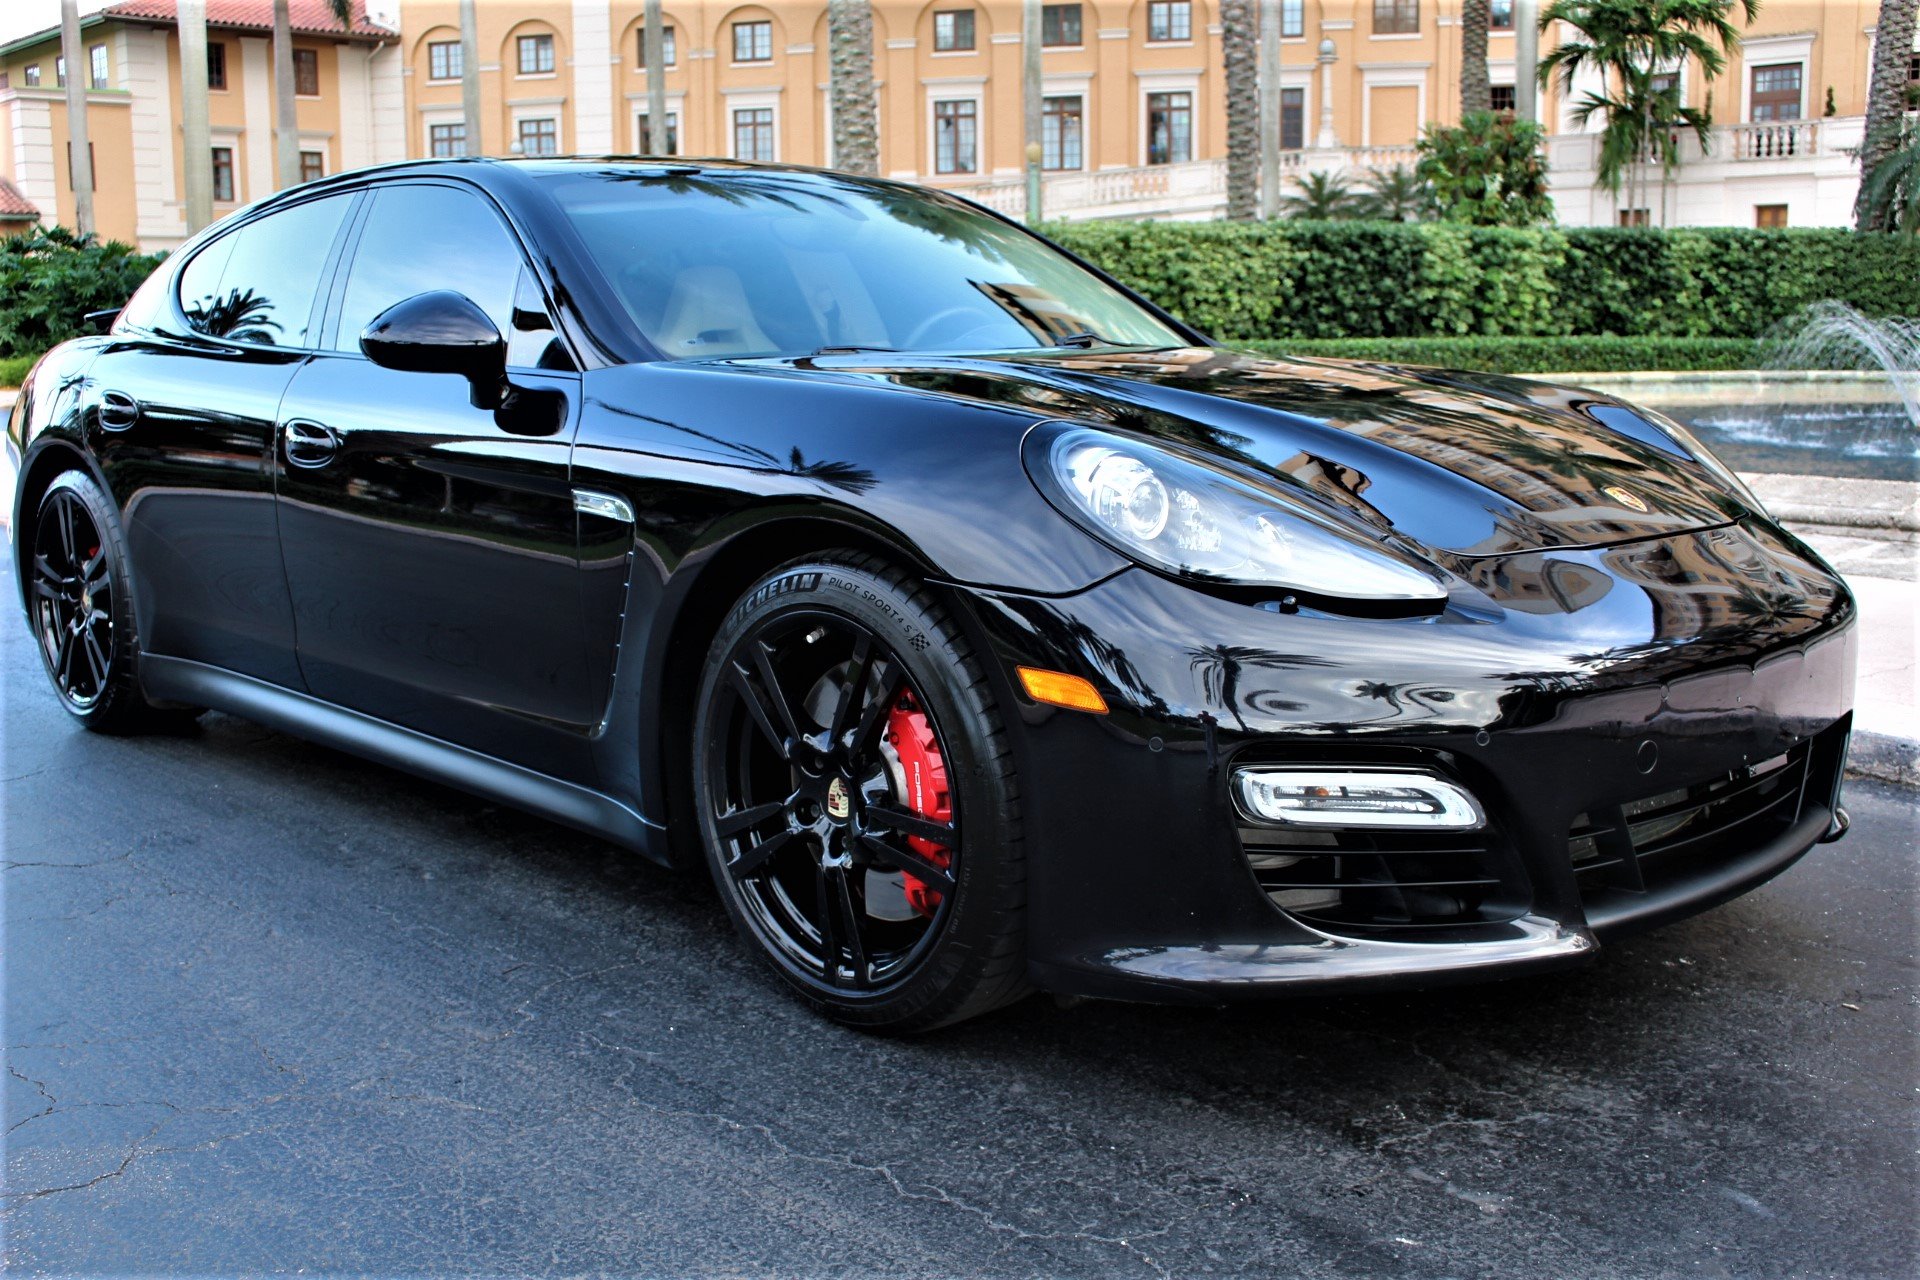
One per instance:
(118, 410)
(309, 445)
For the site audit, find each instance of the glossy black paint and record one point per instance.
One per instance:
(371, 554)
(441, 332)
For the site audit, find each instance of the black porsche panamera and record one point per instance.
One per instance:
(980, 626)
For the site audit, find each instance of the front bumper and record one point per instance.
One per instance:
(1568, 690)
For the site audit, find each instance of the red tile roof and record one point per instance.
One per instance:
(308, 17)
(13, 205)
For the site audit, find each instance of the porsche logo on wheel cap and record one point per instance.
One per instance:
(1626, 497)
(839, 803)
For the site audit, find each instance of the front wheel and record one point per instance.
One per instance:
(857, 799)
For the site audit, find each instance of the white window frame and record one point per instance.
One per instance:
(553, 49)
(751, 99)
(733, 45)
(637, 104)
(459, 53)
(1152, 82)
(938, 96)
(1767, 51)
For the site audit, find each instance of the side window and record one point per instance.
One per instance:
(421, 238)
(257, 285)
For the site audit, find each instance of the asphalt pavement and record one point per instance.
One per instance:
(270, 1008)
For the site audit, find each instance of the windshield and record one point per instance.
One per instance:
(734, 263)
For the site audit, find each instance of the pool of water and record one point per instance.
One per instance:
(1855, 440)
(1851, 425)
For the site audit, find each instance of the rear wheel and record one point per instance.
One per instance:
(81, 608)
(857, 801)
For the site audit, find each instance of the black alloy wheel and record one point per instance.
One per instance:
(80, 607)
(73, 597)
(856, 798)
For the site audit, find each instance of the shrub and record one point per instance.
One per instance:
(1292, 279)
(1530, 355)
(1490, 170)
(13, 369)
(51, 278)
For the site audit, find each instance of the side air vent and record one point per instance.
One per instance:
(1377, 881)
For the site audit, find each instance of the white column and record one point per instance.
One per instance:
(387, 105)
(257, 107)
(356, 107)
(35, 171)
(593, 76)
(160, 220)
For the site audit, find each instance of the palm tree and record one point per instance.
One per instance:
(196, 139)
(1323, 197)
(79, 152)
(856, 122)
(1629, 42)
(1890, 194)
(654, 33)
(1397, 195)
(1243, 109)
(471, 142)
(1476, 92)
(1886, 105)
(286, 115)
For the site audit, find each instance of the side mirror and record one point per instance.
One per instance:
(102, 321)
(441, 332)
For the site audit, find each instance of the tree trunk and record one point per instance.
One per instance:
(1237, 36)
(473, 144)
(196, 139)
(79, 153)
(655, 35)
(1476, 93)
(1886, 98)
(286, 114)
(856, 117)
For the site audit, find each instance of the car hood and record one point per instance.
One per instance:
(1465, 465)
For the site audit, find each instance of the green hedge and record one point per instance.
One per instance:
(13, 370)
(1602, 354)
(50, 279)
(1283, 280)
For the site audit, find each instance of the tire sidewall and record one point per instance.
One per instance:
(966, 722)
(120, 703)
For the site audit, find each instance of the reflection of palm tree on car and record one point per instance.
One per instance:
(242, 315)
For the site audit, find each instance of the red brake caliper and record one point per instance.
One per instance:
(925, 771)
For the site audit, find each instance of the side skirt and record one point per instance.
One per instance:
(183, 680)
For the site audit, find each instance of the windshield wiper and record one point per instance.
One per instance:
(850, 349)
(1081, 338)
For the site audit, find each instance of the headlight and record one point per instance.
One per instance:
(1181, 515)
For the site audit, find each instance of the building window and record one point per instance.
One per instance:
(956, 136)
(447, 141)
(60, 73)
(535, 55)
(1396, 17)
(753, 42)
(445, 60)
(1293, 119)
(1169, 20)
(673, 134)
(306, 72)
(30, 75)
(1169, 128)
(223, 174)
(1501, 98)
(1776, 92)
(1500, 17)
(92, 168)
(1059, 27)
(1663, 81)
(1063, 133)
(313, 164)
(1769, 217)
(953, 31)
(216, 65)
(539, 137)
(669, 49)
(1293, 19)
(753, 133)
(97, 66)
(1634, 218)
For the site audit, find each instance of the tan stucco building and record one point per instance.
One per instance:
(1134, 119)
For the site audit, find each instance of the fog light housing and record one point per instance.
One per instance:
(1354, 798)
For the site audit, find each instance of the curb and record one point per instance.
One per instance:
(1884, 758)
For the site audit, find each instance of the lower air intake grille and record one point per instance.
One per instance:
(1637, 846)
(1353, 881)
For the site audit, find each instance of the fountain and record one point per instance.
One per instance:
(1832, 335)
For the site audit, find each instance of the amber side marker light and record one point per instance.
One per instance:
(1059, 689)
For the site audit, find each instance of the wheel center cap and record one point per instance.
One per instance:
(839, 800)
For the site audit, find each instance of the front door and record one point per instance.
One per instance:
(429, 545)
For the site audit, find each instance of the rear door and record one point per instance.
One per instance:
(429, 545)
(186, 400)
